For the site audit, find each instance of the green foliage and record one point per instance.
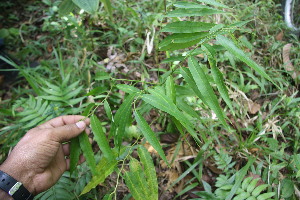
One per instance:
(205, 75)
(142, 182)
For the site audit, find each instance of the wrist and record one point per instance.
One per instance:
(20, 174)
(4, 195)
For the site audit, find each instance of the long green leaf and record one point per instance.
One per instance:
(121, 119)
(100, 138)
(66, 7)
(181, 38)
(159, 100)
(74, 153)
(133, 186)
(108, 8)
(193, 12)
(104, 168)
(185, 4)
(187, 27)
(239, 178)
(149, 135)
(230, 46)
(87, 152)
(205, 89)
(127, 88)
(90, 6)
(214, 3)
(189, 79)
(217, 75)
(138, 177)
(150, 172)
(170, 89)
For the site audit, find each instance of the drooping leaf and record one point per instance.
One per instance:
(104, 168)
(149, 135)
(239, 178)
(88, 152)
(97, 91)
(185, 72)
(159, 100)
(108, 111)
(121, 119)
(217, 75)
(187, 27)
(214, 3)
(100, 138)
(108, 7)
(181, 41)
(193, 12)
(170, 89)
(150, 172)
(127, 88)
(230, 46)
(186, 4)
(90, 6)
(205, 89)
(66, 7)
(74, 153)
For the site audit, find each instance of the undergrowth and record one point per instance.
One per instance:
(194, 97)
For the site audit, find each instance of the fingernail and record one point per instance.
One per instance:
(81, 124)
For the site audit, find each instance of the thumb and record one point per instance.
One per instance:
(69, 131)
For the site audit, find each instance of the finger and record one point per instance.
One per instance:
(87, 131)
(66, 149)
(81, 159)
(67, 132)
(63, 120)
(68, 163)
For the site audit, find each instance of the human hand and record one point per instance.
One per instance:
(38, 160)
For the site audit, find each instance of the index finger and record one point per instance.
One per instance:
(64, 120)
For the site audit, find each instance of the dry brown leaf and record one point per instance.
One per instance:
(150, 148)
(279, 37)
(286, 57)
(253, 107)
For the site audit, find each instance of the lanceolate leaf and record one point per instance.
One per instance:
(214, 3)
(66, 7)
(127, 88)
(187, 27)
(88, 152)
(159, 100)
(189, 79)
(100, 138)
(121, 119)
(185, 4)
(150, 172)
(181, 40)
(182, 12)
(74, 153)
(217, 75)
(170, 89)
(239, 178)
(230, 46)
(149, 135)
(90, 6)
(205, 88)
(104, 168)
